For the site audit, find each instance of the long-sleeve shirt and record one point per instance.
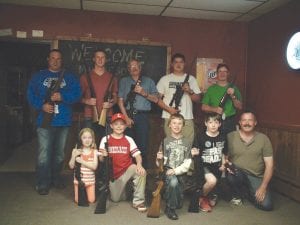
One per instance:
(70, 91)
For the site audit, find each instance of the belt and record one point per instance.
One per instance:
(142, 111)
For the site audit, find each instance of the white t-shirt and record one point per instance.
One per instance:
(167, 87)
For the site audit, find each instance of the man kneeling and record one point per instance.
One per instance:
(252, 156)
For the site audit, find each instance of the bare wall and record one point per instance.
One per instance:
(209, 39)
(272, 88)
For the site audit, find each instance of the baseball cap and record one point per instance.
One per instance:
(117, 116)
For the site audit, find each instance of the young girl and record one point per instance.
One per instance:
(86, 155)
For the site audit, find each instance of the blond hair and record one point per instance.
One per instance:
(89, 130)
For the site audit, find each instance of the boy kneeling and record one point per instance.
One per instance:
(177, 161)
(121, 148)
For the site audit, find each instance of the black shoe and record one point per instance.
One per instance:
(43, 191)
(171, 214)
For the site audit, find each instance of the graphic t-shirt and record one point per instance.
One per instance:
(211, 149)
(121, 152)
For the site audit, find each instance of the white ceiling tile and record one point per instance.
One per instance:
(269, 6)
(199, 14)
(137, 2)
(247, 17)
(122, 8)
(69, 4)
(217, 5)
(207, 9)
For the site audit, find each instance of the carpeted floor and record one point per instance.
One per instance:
(21, 205)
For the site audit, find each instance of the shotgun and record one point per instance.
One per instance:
(154, 210)
(93, 95)
(198, 176)
(82, 195)
(54, 87)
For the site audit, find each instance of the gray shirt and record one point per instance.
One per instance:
(140, 103)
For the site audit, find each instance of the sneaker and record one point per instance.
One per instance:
(140, 208)
(204, 205)
(213, 200)
(236, 201)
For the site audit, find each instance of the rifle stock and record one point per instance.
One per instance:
(82, 195)
(103, 193)
(108, 175)
(199, 178)
(107, 98)
(102, 118)
(177, 96)
(154, 210)
(95, 115)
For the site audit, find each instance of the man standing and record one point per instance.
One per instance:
(136, 108)
(52, 138)
(252, 156)
(100, 79)
(167, 87)
(213, 95)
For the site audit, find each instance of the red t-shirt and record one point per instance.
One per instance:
(100, 84)
(121, 151)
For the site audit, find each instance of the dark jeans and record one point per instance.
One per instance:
(228, 125)
(50, 155)
(140, 132)
(174, 192)
(245, 185)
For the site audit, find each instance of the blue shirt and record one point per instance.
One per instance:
(69, 89)
(141, 103)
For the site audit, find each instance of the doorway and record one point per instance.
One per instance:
(19, 60)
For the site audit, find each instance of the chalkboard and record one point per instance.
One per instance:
(154, 58)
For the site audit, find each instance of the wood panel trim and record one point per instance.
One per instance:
(278, 125)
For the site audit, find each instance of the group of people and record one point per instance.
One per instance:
(239, 152)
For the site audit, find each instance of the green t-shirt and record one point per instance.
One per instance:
(249, 156)
(214, 94)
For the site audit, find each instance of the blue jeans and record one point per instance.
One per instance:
(140, 132)
(51, 155)
(245, 185)
(174, 192)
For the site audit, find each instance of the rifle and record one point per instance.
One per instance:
(107, 98)
(199, 178)
(54, 87)
(95, 115)
(130, 99)
(82, 195)
(231, 167)
(154, 210)
(108, 172)
(177, 96)
(225, 97)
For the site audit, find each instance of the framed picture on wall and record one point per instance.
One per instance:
(206, 72)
